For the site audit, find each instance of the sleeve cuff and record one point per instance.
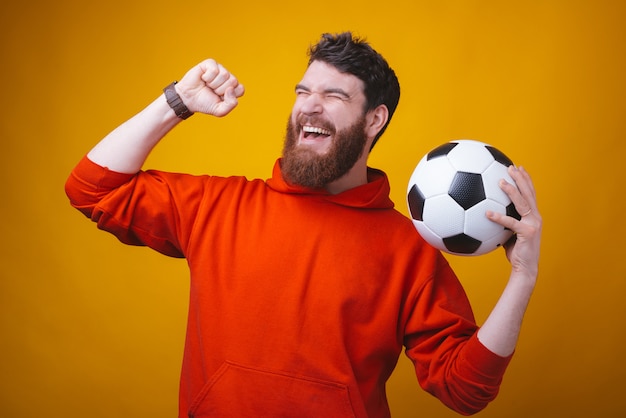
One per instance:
(482, 363)
(100, 176)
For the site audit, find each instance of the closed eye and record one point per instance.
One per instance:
(300, 89)
(333, 93)
(337, 94)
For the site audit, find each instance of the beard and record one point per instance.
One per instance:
(305, 167)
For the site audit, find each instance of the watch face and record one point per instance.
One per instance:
(170, 93)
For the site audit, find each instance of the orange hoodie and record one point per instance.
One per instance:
(300, 301)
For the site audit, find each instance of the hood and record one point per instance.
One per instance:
(373, 195)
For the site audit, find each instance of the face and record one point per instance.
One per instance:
(326, 129)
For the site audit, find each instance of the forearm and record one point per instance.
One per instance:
(501, 330)
(207, 88)
(126, 148)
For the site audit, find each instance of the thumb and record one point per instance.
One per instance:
(228, 103)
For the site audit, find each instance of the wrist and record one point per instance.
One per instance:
(175, 101)
(524, 277)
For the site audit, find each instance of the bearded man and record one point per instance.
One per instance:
(306, 287)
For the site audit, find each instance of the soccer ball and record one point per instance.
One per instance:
(449, 192)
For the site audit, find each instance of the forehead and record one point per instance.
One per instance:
(321, 76)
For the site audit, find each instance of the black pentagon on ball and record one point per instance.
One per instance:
(511, 211)
(467, 189)
(462, 244)
(441, 150)
(416, 203)
(499, 156)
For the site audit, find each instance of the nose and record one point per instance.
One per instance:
(310, 104)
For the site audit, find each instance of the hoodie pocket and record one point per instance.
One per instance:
(243, 391)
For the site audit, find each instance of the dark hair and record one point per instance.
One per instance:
(353, 55)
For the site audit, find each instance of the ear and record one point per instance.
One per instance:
(375, 120)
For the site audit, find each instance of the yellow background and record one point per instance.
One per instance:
(89, 327)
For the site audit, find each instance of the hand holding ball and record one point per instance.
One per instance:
(449, 192)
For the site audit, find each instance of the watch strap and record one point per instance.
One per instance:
(175, 102)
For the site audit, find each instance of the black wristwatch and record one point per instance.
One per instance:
(175, 102)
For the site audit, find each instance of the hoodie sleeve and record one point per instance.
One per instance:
(89, 183)
(139, 209)
(441, 340)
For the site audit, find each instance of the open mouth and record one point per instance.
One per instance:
(314, 132)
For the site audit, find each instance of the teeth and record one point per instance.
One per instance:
(315, 130)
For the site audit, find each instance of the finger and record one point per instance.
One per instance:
(239, 90)
(506, 221)
(522, 194)
(224, 83)
(227, 104)
(210, 70)
(521, 205)
(523, 181)
(220, 77)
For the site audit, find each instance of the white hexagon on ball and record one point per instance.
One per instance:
(470, 156)
(431, 185)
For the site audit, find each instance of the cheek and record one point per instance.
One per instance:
(346, 120)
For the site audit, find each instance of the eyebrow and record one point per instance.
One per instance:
(338, 91)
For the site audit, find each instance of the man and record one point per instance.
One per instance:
(306, 287)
